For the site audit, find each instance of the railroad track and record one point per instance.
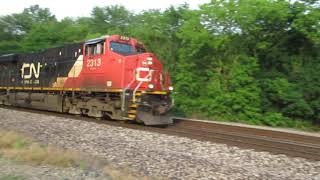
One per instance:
(260, 139)
(274, 141)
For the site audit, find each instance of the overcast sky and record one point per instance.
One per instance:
(76, 8)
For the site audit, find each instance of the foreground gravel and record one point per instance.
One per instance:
(15, 170)
(156, 154)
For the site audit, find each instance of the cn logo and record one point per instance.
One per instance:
(32, 69)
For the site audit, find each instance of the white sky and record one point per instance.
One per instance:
(76, 8)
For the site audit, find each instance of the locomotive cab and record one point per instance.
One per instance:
(122, 63)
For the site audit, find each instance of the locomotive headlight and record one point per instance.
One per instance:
(149, 59)
(151, 86)
(170, 88)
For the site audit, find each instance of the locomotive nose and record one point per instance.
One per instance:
(151, 66)
(147, 59)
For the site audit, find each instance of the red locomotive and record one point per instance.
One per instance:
(110, 76)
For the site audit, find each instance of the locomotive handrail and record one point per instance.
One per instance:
(135, 90)
(141, 80)
(124, 92)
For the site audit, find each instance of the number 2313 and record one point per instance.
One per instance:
(94, 62)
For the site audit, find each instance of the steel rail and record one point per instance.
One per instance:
(279, 142)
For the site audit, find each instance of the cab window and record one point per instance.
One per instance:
(95, 49)
(121, 48)
(140, 49)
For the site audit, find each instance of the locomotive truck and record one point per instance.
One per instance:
(112, 76)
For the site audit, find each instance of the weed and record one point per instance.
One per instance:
(18, 147)
(11, 177)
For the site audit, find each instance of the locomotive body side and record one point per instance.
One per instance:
(110, 76)
(38, 70)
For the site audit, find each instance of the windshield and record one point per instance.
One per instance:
(140, 49)
(125, 49)
(121, 48)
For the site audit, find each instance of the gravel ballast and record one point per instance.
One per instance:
(17, 170)
(158, 155)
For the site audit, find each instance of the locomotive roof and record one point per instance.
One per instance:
(96, 40)
(66, 50)
(8, 57)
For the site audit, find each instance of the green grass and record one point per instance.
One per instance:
(271, 120)
(11, 177)
(18, 147)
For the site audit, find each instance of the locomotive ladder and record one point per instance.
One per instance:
(136, 94)
(132, 110)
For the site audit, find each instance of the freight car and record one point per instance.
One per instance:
(112, 76)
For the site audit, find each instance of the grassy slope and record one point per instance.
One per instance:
(18, 147)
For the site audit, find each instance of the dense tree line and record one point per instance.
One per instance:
(255, 61)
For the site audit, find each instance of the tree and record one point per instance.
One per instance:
(110, 20)
(13, 28)
(53, 34)
(251, 60)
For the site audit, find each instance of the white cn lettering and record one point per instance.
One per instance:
(33, 70)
